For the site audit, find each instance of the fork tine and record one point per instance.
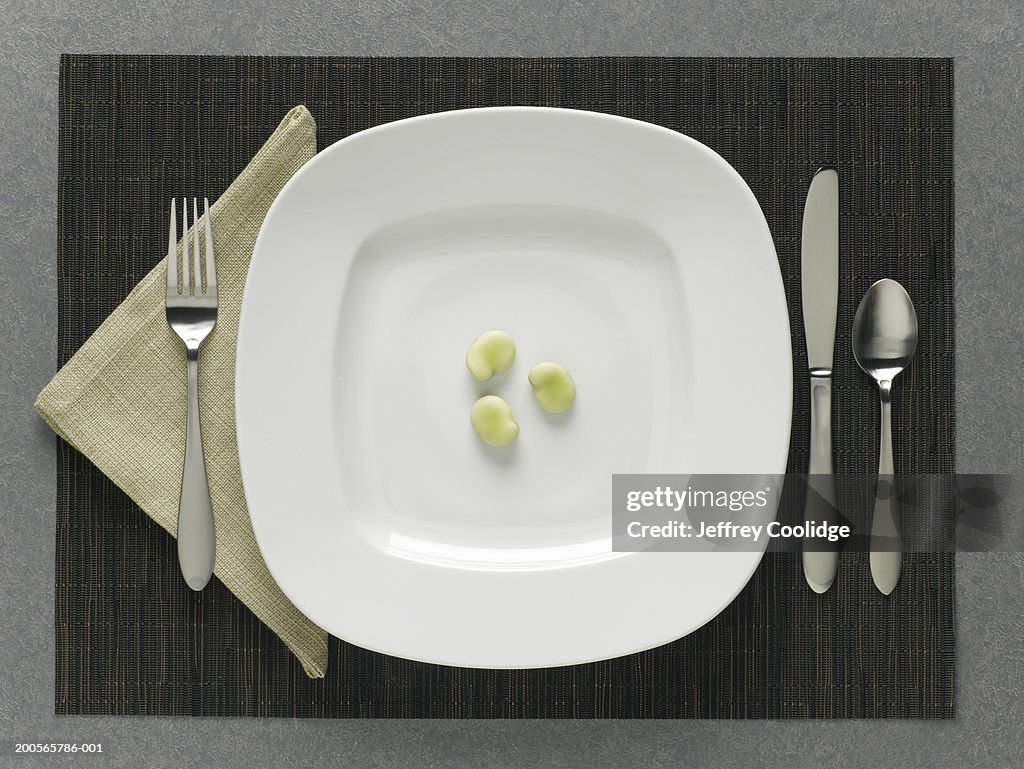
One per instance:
(186, 270)
(211, 262)
(172, 252)
(198, 284)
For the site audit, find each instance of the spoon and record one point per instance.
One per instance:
(884, 340)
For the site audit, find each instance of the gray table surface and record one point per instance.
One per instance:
(987, 40)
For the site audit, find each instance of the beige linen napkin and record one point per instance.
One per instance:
(121, 399)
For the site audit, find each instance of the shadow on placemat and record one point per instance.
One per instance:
(132, 639)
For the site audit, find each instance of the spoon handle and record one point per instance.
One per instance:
(886, 542)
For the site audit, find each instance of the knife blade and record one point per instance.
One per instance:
(819, 287)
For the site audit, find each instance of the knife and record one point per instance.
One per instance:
(819, 285)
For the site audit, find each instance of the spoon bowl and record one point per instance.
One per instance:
(885, 331)
(884, 341)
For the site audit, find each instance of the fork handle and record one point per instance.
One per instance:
(196, 538)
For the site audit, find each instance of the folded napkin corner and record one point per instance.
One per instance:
(120, 399)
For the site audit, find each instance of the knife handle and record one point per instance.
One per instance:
(820, 557)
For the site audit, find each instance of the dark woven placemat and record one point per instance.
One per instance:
(131, 638)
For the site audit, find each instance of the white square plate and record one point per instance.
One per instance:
(631, 254)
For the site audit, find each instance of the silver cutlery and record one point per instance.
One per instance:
(884, 340)
(819, 285)
(192, 313)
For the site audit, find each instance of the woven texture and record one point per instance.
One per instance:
(131, 638)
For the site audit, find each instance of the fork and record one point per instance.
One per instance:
(192, 314)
